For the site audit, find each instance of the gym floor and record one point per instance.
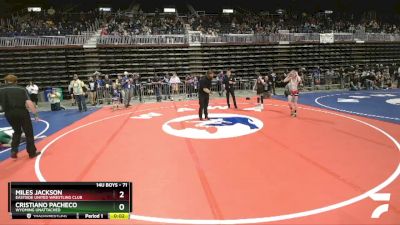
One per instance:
(336, 163)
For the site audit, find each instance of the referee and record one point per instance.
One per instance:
(229, 82)
(14, 101)
(204, 94)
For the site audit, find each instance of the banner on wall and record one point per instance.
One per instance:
(326, 38)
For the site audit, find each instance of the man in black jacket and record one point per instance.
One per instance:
(14, 101)
(204, 94)
(229, 82)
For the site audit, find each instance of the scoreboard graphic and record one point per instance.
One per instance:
(70, 200)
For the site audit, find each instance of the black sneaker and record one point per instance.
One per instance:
(34, 155)
(14, 155)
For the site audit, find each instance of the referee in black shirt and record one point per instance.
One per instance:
(229, 82)
(204, 94)
(14, 101)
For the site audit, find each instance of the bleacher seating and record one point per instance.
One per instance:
(54, 67)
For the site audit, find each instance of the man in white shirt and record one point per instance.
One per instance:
(174, 82)
(33, 91)
(78, 87)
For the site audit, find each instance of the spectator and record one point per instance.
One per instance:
(118, 82)
(398, 77)
(137, 85)
(92, 90)
(116, 96)
(166, 88)
(78, 89)
(107, 82)
(341, 73)
(33, 91)
(124, 85)
(387, 79)
(189, 81)
(108, 89)
(196, 84)
(329, 76)
(317, 75)
(45, 24)
(156, 81)
(55, 100)
(174, 82)
(142, 24)
(353, 87)
(127, 90)
(61, 23)
(100, 88)
(99, 82)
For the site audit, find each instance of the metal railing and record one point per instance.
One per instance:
(142, 40)
(250, 38)
(164, 91)
(244, 38)
(194, 39)
(243, 87)
(43, 41)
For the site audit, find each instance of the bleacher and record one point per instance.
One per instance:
(54, 66)
(144, 60)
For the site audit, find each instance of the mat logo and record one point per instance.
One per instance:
(219, 126)
(394, 101)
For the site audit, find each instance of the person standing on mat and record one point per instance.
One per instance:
(259, 87)
(273, 81)
(204, 94)
(229, 81)
(220, 83)
(293, 80)
(14, 101)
